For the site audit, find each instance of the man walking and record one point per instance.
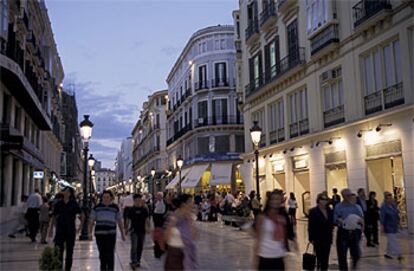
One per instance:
(350, 221)
(33, 206)
(138, 218)
(160, 212)
(362, 202)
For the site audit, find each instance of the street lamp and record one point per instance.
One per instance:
(91, 163)
(180, 163)
(256, 133)
(153, 181)
(86, 133)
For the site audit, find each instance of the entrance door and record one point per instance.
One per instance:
(301, 188)
(279, 181)
(386, 174)
(336, 177)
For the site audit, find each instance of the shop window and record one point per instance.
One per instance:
(203, 145)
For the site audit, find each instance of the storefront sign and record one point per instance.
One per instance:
(300, 164)
(279, 165)
(38, 174)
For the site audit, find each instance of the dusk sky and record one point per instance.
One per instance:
(115, 53)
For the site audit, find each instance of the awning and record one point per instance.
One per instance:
(194, 176)
(221, 173)
(175, 180)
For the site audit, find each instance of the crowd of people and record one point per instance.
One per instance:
(170, 219)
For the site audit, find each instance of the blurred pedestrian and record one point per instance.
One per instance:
(44, 217)
(390, 220)
(320, 230)
(21, 222)
(274, 229)
(127, 203)
(160, 213)
(63, 217)
(293, 206)
(254, 204)
(362, 202)
(349, 218)
(180, 235)
(33, 206)
(336, 198)
(107, 216)
(371, 220)
(139, 225)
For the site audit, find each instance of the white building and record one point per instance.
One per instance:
(104, 178)
(331, 85)
(123, 164)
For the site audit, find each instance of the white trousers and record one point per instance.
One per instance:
(393, 247)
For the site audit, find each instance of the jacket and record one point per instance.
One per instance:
(320, 229)
(390, 218)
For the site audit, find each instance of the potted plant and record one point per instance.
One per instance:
(50, 259)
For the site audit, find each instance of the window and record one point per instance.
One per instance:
(220, 72)
(256, 69)
(239, 143)
(6, 108)
(222, 144)
(220, 111)
(202, 112)
(216, 45)
(276, 116)
(157, 121)
(202, 75)
(222, 44)
(203, 145)
(382, 68)
(317, 14)
(17, 117)
(272, 57)
(4, 18)
(298, 106)
(332, 90)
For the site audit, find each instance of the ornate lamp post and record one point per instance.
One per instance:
(180, 163)
(91, 163)
(86, 133)
(256, 133)
(153, 183)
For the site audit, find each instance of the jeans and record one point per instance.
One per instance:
(137, 246)
(393, 248)
(347, 239)
(106, 247)
(60, 241)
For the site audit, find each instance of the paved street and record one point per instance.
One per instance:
(220, 248)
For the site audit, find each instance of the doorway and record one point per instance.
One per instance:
(386, 174)
(279, 181)
(301, 188)
(336, 177)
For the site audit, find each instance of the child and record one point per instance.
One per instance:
(44, 219)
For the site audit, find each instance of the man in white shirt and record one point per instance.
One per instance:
(33, 205)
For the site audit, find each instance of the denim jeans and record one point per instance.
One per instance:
(137, 246)
(347, 239)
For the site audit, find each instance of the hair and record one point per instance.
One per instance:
(320, 196)
(292, 195)
(269, 196)
(109, 192)
(372, 193)
(137, 196)
(44, 198)
(360, 190)
(335, 190)
(128, 193)
(23, 198)
(181, 199)
(345, 190)
(71, 190)
(37, 190)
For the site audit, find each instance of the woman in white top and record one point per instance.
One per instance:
(274, 229)
(293, 205)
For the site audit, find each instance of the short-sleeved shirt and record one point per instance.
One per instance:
(138, 217)
(343, 210)
(106, 217)
(65, 214)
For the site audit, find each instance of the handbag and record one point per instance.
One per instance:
(308, 260)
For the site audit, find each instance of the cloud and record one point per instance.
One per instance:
(170, 50)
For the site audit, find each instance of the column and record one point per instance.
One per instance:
(8, 178)
(289, 176)
(232, 143)
(19, 179)
(27, 180)
(407, 145)
(317, 175)
(355, 161)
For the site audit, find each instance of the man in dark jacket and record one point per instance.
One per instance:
(320, 228)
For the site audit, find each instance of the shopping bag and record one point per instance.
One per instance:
(308, 260)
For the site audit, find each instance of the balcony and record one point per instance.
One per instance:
(277, 136)
(222, 83)
(285, 5)
(252, 30)
(217, 120)
(334, 116)
(276, 71)
(329, 35)
(268, 15)
(384, 99)
(366, 9)
(299, 128)
(201, 85)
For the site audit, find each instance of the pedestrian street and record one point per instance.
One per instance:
(219, 248)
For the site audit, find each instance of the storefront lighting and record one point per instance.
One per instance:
(339, 144)
(379, 127)
(372, 137)
(360, 132)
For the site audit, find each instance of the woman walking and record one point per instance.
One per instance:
(180, 236)
(390, 220)
(320, 230)
(106, 215)
(371, 220)
(293, 205)
(274, 229)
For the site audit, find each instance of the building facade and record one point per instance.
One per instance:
(123, 164)
(327, 83)
(71, 162)
(149, 144)
(30, 86)
(204, 125)
(104, 178)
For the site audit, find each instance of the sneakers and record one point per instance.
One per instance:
(388, 257)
